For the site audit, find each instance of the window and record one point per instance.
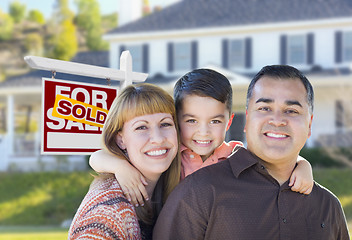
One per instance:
(137, 57)
(347, 46)
(296, 49)
(343, 115)
(182, 56)
(237, 54)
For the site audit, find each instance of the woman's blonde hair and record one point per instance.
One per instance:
(133, 101)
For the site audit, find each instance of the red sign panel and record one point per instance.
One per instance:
(73, 116)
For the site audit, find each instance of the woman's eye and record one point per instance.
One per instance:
(166, 124)
(141, 128)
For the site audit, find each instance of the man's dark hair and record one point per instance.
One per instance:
(203, 83)
(283, 72)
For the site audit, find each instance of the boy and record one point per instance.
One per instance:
(203, 101)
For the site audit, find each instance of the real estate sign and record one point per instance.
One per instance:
(73, 116)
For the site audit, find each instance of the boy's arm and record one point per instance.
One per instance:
(132, 182)
(302, 177)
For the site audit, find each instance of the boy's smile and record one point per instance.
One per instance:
(203, 123)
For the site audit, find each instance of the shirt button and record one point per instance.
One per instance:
(284, 220)
(191, 156)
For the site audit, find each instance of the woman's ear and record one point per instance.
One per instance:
(119, 141)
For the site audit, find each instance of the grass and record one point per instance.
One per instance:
(35, 202)
(33, 233)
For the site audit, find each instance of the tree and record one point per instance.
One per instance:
(89, 20)
(6, 26)
(17, 11)
(34, 44)
(64, 42)
(36, 16)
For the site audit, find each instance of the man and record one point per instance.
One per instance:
(248, 196)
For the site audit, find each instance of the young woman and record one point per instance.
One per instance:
(141, 128)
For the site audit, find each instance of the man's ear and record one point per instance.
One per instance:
(310, 126)
(230, 121)
(119, 141)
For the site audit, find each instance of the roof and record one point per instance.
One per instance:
(191, 14)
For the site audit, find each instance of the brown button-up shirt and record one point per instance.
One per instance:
(238, 199)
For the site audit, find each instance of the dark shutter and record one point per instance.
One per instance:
(310, 48)
(145, 58)
(225, 53)
(248, 53)
(338, 47)
(283, 49)
(170, 57)
(194, 50)
(122, 48)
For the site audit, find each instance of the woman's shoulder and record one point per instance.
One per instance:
(105, 209)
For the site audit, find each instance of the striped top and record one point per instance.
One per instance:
(105, 214)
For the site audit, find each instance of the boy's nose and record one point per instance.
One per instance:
(203, 129)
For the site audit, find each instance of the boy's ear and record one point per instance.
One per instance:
(119, 141)
(230, 121)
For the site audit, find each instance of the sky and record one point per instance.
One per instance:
(46, 6)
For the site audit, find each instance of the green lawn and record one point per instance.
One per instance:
(33, 233)
(49, 198)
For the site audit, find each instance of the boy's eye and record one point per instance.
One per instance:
(215, 121)
(191, 121)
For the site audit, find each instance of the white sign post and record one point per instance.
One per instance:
(74, 113)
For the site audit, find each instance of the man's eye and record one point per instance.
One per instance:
(291, 111)
(264, 109)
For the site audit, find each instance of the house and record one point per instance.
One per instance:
(234, 37)
(243, 36)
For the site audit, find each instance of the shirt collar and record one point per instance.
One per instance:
(241, 159)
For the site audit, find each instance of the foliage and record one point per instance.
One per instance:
(64, 42)
(89, 20)
(319, 158)
(36, 16)
(6, 26)
(46, 198)
(109, 21)
(17, 11)
(33, 44)
(63, 11)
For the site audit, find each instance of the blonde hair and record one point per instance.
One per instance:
(138, 100)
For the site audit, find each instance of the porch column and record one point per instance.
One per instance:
(10, 125)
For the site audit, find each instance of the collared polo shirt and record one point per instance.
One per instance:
(191, 161)
(238, 199)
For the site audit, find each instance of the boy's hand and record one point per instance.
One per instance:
(302, 177)
(133, 184)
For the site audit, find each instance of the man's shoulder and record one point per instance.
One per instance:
(324, 194)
